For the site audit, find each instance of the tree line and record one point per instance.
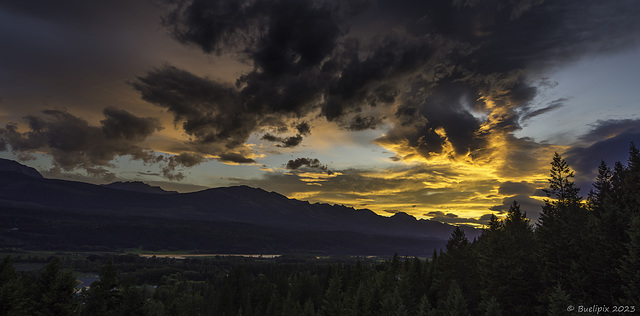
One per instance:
(581, 252)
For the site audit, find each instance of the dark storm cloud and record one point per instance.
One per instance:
(359, 123)
(73, 143)
(271, 138)
(292, 141)
(235, 158)
(120, 124)
(285, 142)
(440, 60)
(169, 170)
(312, 163)
(605, 129)
(512, 188)
(504, 42)
(303, 129)
(607, 141)
(210, 112)
(435, 63)
(443, 108)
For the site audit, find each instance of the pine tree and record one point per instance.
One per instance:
(14, 299)
(332, 303)
(308, 309)
(507, 265)
(559, 302)
(602, 189)
(457, 263)
(562, 237)
(630, 268)
(607, 225)
(425, 308)
(458, 241)
(490, 307)
(56, 291)
(104, 296)
(455, 304)
(561, 186)
(392, 304)
(631, 192)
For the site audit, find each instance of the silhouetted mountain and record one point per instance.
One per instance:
(238, 204)
(137, 186)
(14, 166)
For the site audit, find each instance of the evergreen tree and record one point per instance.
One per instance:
(630, 268)
(458, 241)
(309, 309)
(14, 299)
(631, 192)
(559, 302)
(562, 237)
(607, 225)
(457, 263)
(332, 303)
(104, 296)
(56, 291)
(392, 304)
(360, 302)
(507, 263)
(490, 307)
(602, 191)
(425, 308)
(561, 186)
(455, 304)
(617, 184)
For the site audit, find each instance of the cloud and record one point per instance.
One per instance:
(607, 129)
(415, 189)
(73, 143)
(512, 188)
(210, 112)
(120, 124)
(285, 142)
(452, 218)
(529, 205)
(304, 129)
(312, 163)
(292, 141)
(235, 158)
(454, 77)
(359, 123)
(553, 105)
(182, 160)
(607, 141)
(449, 81)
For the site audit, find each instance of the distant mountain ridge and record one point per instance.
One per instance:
(237, 204)
(137, 186)
(14, 166)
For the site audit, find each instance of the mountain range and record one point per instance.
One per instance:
(237, 215)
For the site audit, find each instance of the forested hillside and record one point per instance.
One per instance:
(581, 253)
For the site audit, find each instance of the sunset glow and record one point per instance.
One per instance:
(387, 106)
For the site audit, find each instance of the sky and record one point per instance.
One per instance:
(445, 110)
